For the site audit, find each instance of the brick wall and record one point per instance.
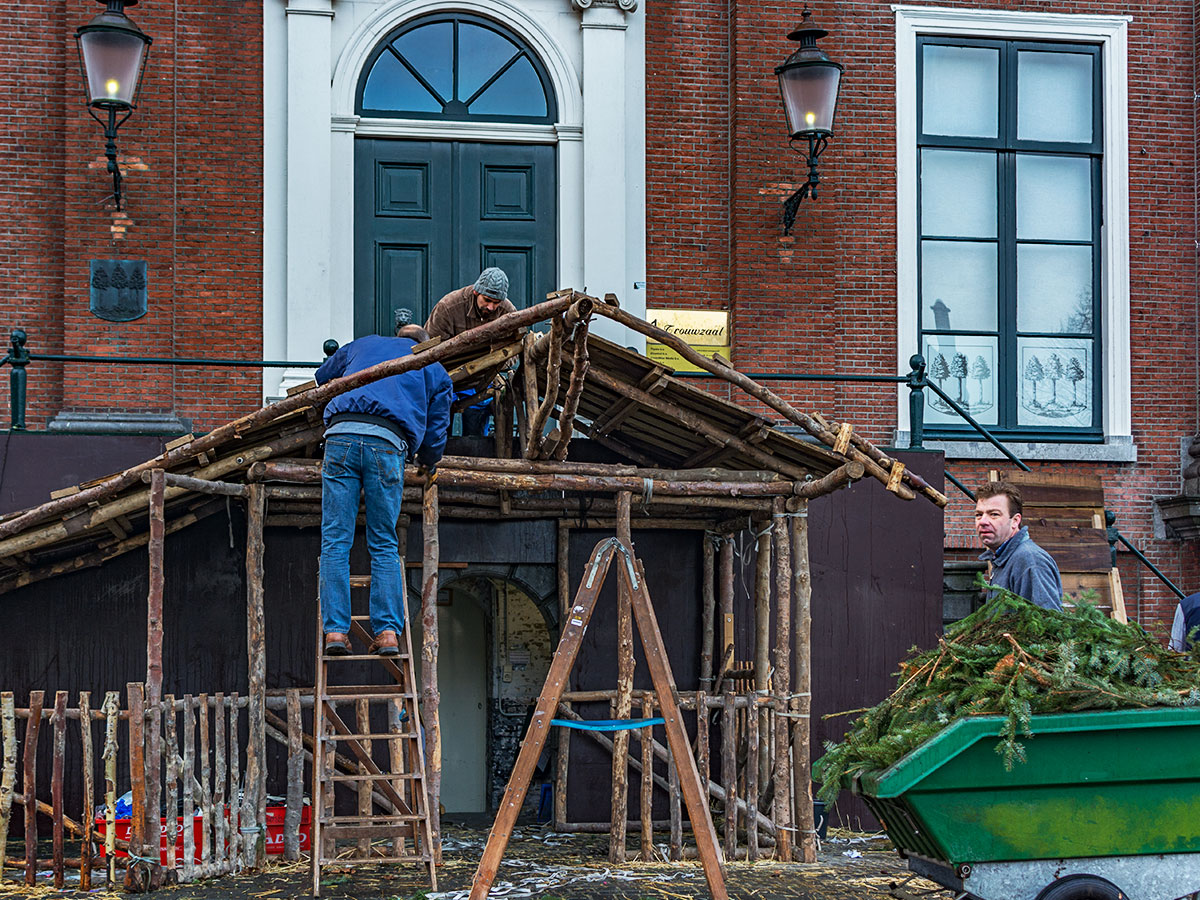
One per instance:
(824, 298)
(192, 155)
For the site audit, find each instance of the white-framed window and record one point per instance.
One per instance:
(1012, 205)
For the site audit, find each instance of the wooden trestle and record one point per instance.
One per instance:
(633, 585)
(391, 825)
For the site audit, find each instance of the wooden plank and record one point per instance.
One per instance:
(171, 786)
(295, 778)
(218, 784)
(564, 735)
(235, 785)
(657, 662)
(254, 808)
(752, 771)
(89, 813)
(1074, 549)
(1061, 516)
(729, 774)
(154, 652)
(189, 796)
(58, 723)
(138, 835)
(430, 695)
(573, 628)
(646, 799)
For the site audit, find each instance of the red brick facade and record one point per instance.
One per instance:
(824, 299)
(192, 156)
(718, 167)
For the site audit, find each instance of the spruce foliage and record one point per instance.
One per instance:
(1014, 659)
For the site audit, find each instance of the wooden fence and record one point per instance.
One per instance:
(215, 805)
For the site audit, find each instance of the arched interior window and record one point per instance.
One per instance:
(459, 67)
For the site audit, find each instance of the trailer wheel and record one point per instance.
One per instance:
(1082, 887)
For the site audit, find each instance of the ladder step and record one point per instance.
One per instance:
(375, 860)
(354, 691)
(349, 657)
(376, 820)
(382, 776)
(371, 736)
(355, 832)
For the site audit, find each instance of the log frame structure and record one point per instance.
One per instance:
(692, 461)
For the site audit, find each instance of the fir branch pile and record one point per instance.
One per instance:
(1014, 659)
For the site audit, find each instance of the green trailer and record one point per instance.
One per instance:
(1106, 805)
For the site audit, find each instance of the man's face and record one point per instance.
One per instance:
(486, 305)
(994, 523)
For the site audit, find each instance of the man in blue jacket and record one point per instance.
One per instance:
(1018, 564)
(370, 432)
(1185, 630)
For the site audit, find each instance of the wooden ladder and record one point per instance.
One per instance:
(633, 580)
(391, 825)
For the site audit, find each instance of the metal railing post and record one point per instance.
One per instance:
(916, 402)
(18, 358)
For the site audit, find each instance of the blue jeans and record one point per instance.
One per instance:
(357, 463)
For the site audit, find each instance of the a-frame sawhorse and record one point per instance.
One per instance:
(594, 573)
(400, 794)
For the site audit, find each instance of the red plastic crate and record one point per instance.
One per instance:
(123, 827)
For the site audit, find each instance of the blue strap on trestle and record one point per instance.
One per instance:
(609, 724)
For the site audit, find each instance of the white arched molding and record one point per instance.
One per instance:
(345, 125)
(1111, 33)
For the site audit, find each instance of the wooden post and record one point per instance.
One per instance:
(89, 796)
(218, 784)
(111, 712)
(32, 726)
(362, 715)
(752, 752)
(403, 758)
(762, 649)
(136, 702)
(802, 707)
(8, 780)
(235, 787)
(726, 555)
(171, 786)
(255, 806)
(783, 681)
(562, 768)
(707, 610)
(295, 777)
(154, 654)
(203, 755)
(729, 774)
(646, 804)
(189, 777)
(430, 697)
(673, 805)
(58, 722)
(624, 698)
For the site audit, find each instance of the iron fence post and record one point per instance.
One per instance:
(916, 401)
(18, 358)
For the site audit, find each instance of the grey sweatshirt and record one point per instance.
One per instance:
(1024, 568)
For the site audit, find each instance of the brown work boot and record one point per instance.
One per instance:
(386, 643)
(336, 644)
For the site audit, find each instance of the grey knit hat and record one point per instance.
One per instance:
(492, 282)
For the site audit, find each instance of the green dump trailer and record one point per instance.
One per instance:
(1106, 805)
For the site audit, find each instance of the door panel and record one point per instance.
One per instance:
(430, 215)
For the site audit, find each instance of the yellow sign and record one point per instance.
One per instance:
(706, 330)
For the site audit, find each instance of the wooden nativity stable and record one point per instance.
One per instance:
(667, 457)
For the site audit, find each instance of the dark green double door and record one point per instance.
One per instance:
(430, 215)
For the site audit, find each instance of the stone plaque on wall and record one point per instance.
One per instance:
(118, 289)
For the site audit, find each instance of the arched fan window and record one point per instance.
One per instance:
(459, 67)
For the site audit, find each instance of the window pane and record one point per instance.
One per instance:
(1055, 382)
(1054, 96)
(958, 193)
(1054, 288)
(430, 50)
(1054, 198)
(518, 92)
(965, 368)
(391, 86)
(481, 52)
(958, 286)
(959, 91)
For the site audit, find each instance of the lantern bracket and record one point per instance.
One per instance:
(816, 145)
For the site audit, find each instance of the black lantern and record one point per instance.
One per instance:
(808, 82)
(112, 55)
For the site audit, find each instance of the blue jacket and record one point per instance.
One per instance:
(1024, 568)
(416, 402)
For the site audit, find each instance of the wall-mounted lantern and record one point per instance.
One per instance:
(808, 82)
(112, 55)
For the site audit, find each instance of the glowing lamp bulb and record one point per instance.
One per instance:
(809, 118)
(112, 87)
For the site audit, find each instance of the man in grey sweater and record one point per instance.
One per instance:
(1018, 564)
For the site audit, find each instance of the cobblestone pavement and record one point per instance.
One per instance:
(542, 865)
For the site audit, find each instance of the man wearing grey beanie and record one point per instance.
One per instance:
(466, 308)
(471, 306)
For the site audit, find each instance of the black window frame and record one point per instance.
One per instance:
(1007, 148)
(523, 51)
